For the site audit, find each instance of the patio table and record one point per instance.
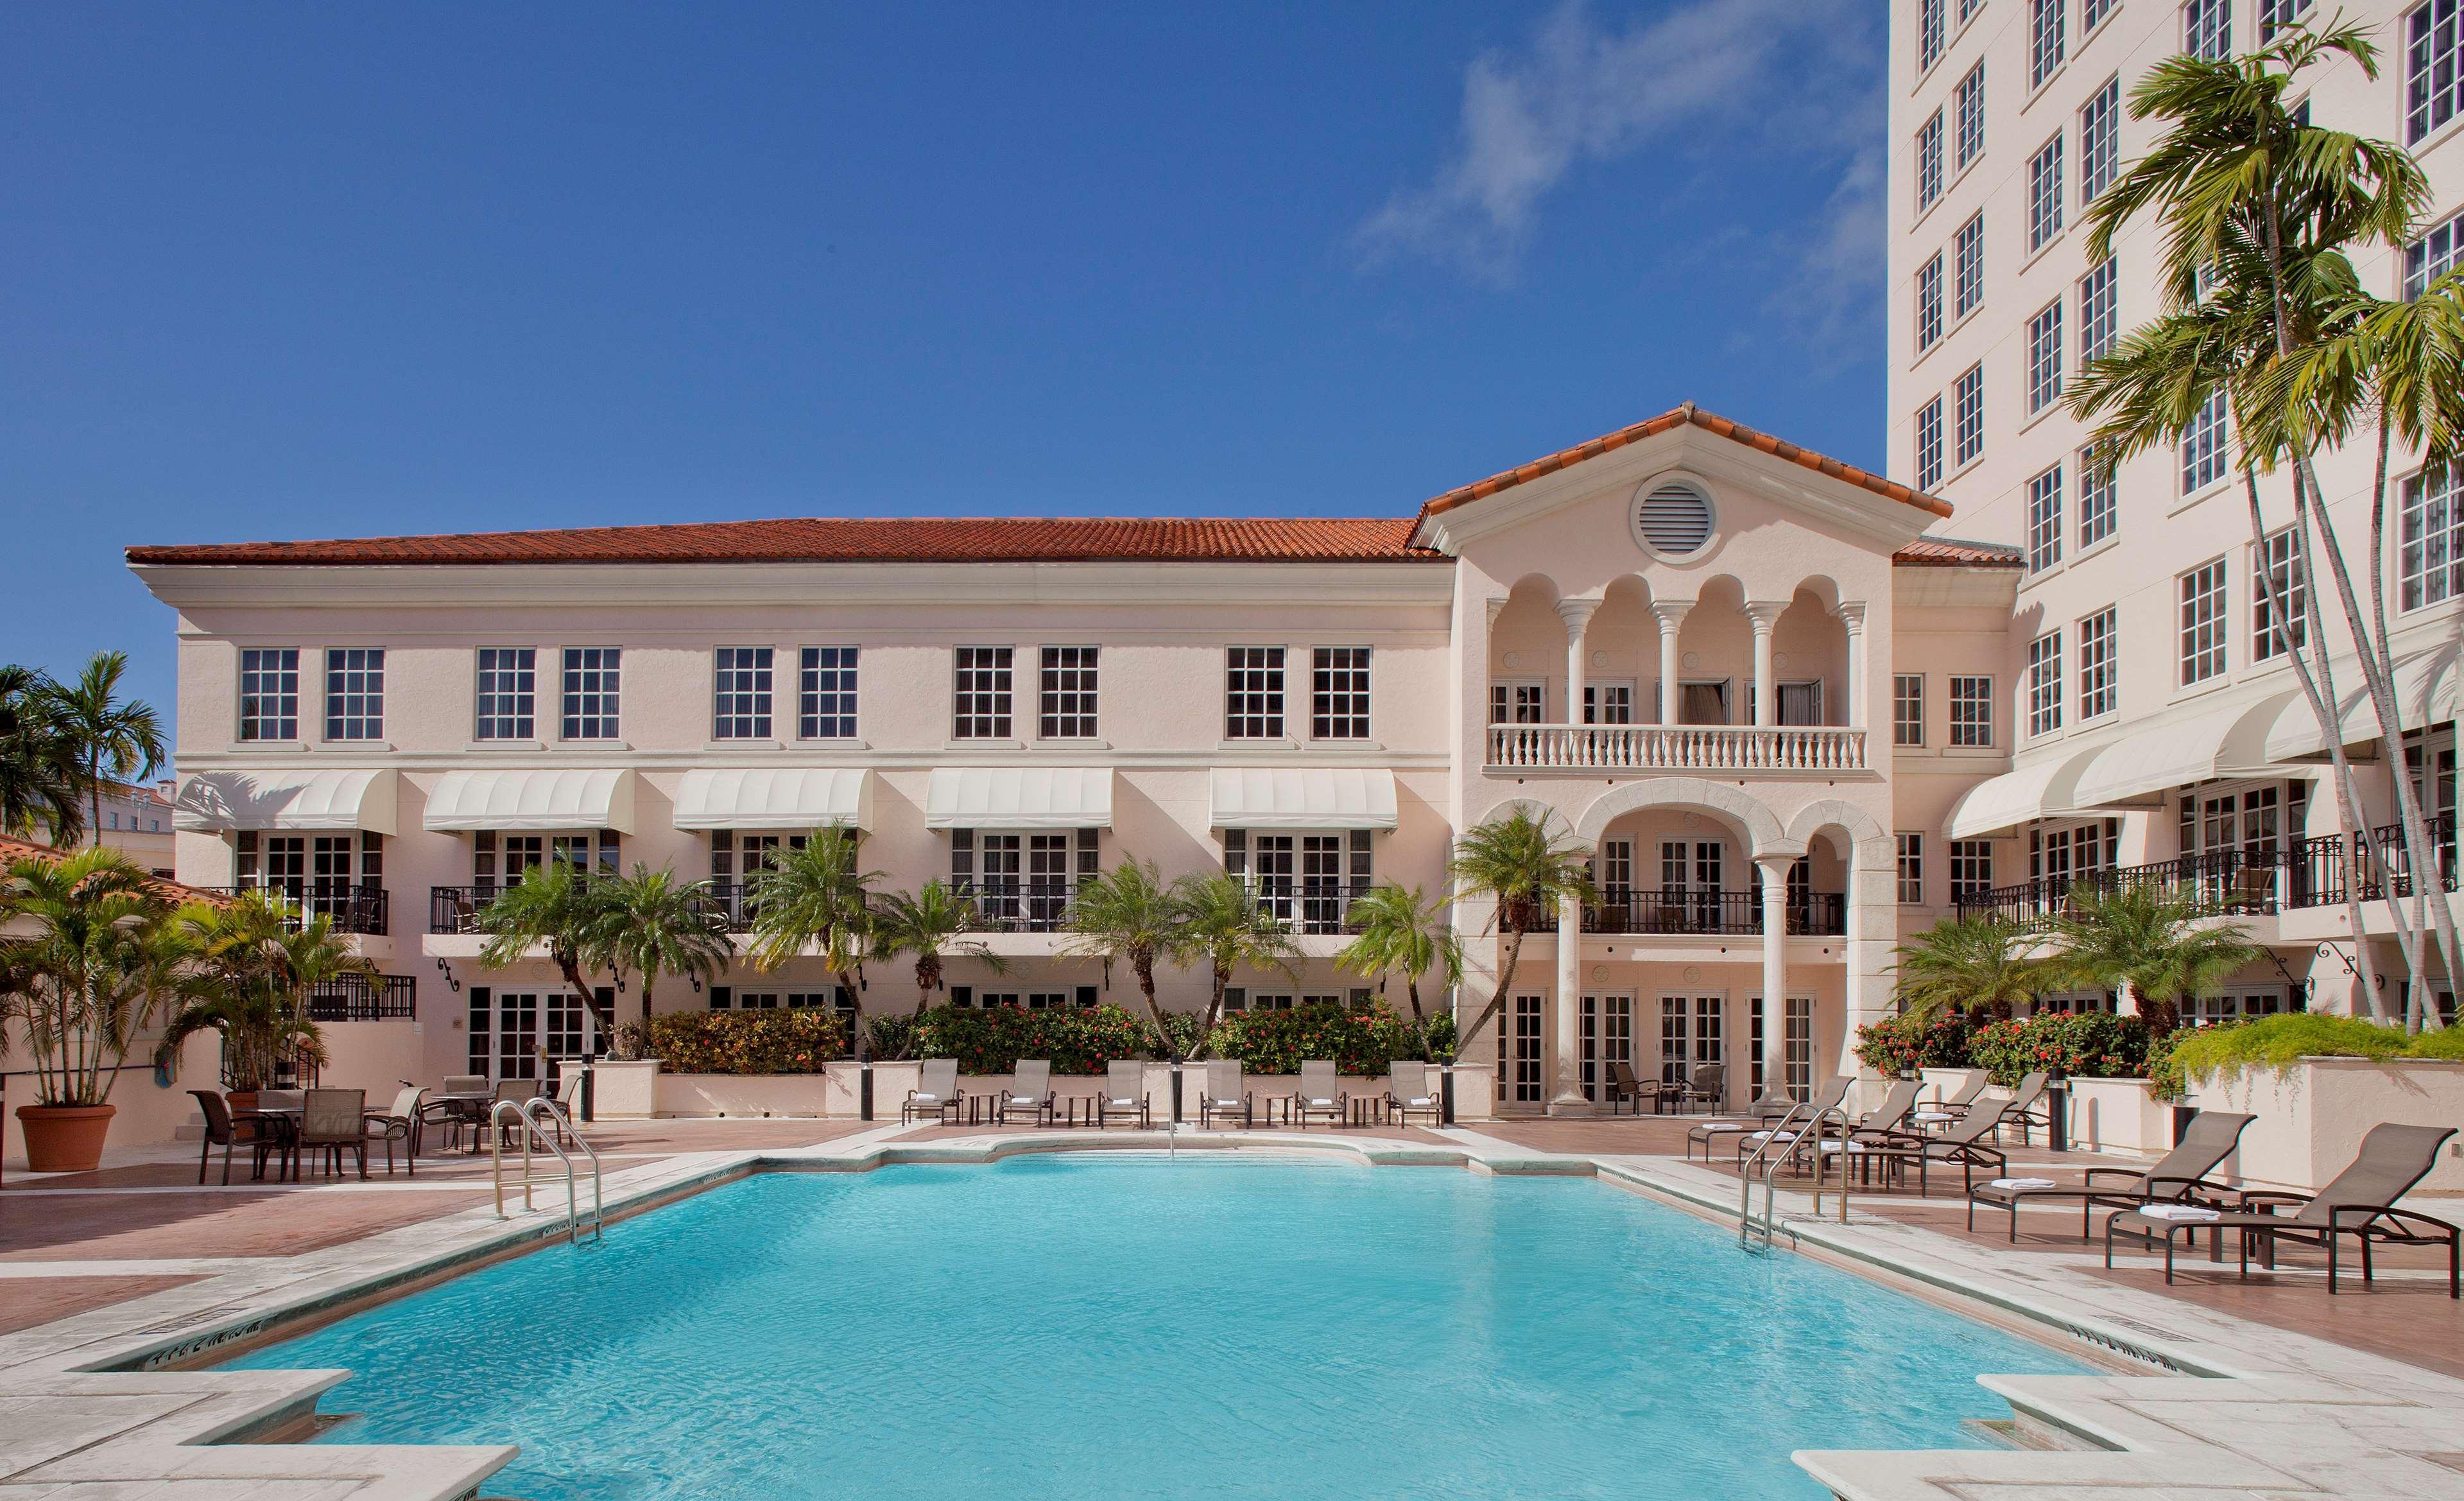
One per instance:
(285, 1122)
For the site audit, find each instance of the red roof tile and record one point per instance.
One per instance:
(1952, 552)
(12, 850)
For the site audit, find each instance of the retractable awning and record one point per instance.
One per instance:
(568, 798)
(795, 798)
(2219, 742)
(302, 798)
(2424, 693)
(1336, 797)
(2043, 790)
(1019, 797)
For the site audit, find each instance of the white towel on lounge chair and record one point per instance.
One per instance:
(922, 1098)
(1025, 1099)
(1320, 1099)
(1933, 1115)
(2180, 1213)
(2023, 1183)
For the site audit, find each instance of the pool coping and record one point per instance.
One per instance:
(2225, 1403)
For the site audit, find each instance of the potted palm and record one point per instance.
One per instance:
(259, 960)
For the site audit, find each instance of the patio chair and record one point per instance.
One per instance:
(521, 1092)
(1964, 1143)
(333, 1122)
(935, 1095)
(2359, 1202)
(1029, 1092)
(1624, 1085)
(1321, 1095)
(1124, 1093)
(2029, 1096)
(262, 1135)
(1708, 1085)
(1762, 1114)
(2175, 1178)
(1224, 1094)
(1410, 1092)
(280, 1100)
(567, 1100)
(401, 1124)
(1957, 1103)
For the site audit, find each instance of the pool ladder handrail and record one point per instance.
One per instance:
(1781, 1137)
(523, 1116)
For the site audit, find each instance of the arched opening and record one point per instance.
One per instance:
(1810, 662)
(1527, 657)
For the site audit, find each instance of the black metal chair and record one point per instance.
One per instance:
(264, 1135)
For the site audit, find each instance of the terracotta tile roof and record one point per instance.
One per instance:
(1736, 431)
(1952, 552)
(12, 850)
(846, 540)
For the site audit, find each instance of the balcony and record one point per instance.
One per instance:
(1787, 750)
(357, 998)
(361, 909)
(457, 909)
(1704, 913)
(1020, 906)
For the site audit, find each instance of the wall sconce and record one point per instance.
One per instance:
(696, 984)
(447, 973)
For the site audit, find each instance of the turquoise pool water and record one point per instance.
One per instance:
(1131, 1327)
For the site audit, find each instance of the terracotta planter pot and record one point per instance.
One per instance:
(240, 1100)
(65, 1138)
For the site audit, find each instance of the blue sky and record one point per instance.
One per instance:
(333, 271)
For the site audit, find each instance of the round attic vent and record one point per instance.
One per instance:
(1673, 520)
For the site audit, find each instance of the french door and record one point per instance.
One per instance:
(513, 1032)
(1608, 1038)
(1691, 1034)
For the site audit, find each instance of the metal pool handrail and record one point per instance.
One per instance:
(1779, 1136)
(520, 1117)
(556, 1114)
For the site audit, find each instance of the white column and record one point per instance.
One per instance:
(1578, 614)
(1566, 1090)
(1765, 615)
(1775, 869)
(1671, 614)
(1853, 616)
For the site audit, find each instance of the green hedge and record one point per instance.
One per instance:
(795, 1041)
(2277, 1043)
(2089, 1044)
(1275, 1042)
(993, 1039)
(1903, 1044)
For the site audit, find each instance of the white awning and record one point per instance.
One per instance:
(1019, 797)
(795, 799)
(568, 798)
(2424, 693)
(2014, 798)
(2165, 755)
(302, 798)
(1259, 797)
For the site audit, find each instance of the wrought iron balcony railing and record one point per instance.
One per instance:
(357, 998)
(360, 907)
(1707, 911)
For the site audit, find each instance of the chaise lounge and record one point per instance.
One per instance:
(935, 1095)
(1124, 1096)
(1320, 1098)
(1409, 1094)
(1029, 1092)
(2175, 1178)
(1224, 1094)
(1772, 1107)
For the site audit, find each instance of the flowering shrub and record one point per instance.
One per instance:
(1275, 1042)
(796, 1041)
(993, 1039)
(1903, 1044)
(2088, 1044)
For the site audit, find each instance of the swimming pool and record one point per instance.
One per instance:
(1076, 1326)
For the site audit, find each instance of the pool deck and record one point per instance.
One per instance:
(134, 1266)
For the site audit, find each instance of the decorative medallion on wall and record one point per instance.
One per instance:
(1693, 659)
(1600, 974)
(1779, 659)
(1691, 819)
(1600, 659)
(1514, 659)
(1693, 974)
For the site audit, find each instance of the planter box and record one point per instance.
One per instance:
(2118, 1116)
(2312, 1118)
(627, 1091)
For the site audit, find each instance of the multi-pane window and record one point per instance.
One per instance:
(2045, 193)
(355, 692)
(825, 694)
(1908, 708)
(1065, 708)
(1929, 160)
(1931, 24)
(2045, 683)
(2045, 519)
(1912, 869)
(741, 693)
(269, 694)
(1930, 443)
(1967, 399)
(1523, 702)
(1969, 7)
(1971, 712)
(506, 704)
(1968, 105)
(2434, 256)
(1967, 267)
(594, 683)
(1972, 868)
(2097, 644)
(981, 699)
(2046, 40)
(2433, 66)
(2429, 555)
(1929, 302)
(2275, 15)
(2279, 573)
(2091, 13)
(2202, 622)
(2098, 506)
(1339, 694)
(2045, 357)
(2206, 29)
(1253, 693)
(2099, 140)
(2099, 295)
(2203, 446)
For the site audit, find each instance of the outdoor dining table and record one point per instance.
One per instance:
(285, 1122)
(471, 1107)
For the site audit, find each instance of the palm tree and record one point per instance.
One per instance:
(260, 961)
(40, 775)
(1515, 861)
(1402, 931)
(1222, 924)
(1969, 964)
(649, 923)
(1127, 916)
(554, 906)
(111, 734)
(931, 925)
(818, 899)
(89, 963)
(2146, 942)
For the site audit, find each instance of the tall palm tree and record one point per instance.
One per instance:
(931, 926)
(1127, 916)
(650, 924)
(2146, 942)
(557, 908)
(1222, 925)
(818, 899)
(89, 962)
(112, 734)
(41, 778)
(1527, 872)
(1399, 931)
(1970, 964)
(261, 959)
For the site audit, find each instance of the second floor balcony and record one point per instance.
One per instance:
(1723, 914)
(1784, 750)
(355, 907)
(360, 998)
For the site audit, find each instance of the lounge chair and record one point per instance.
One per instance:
(568, 1104)
(935, 1095)
(1880, 1122)
(262, 1135)
(400, 1124)
(1964, 1143)
(333, 1122)
(1410, 1092)
(1623, 1085)
(2359, 1202)
(1125, 1094)
(2029, 1096)
(1029, 1092)
(2174, 1178)
(1224, 1094)
(1763, 1113)
(1321, 1095)
(1709, 1086)
(1950, 1107)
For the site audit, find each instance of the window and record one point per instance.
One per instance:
(2045, 683)
(1972, 868)
(2203, 446)
(2097, 645)
(2206, 29)
(593, 693)
(741, 682)
(1929, 302)
(1066, 694)
(2278, 571)
(1967, 104)
(1969, 398)
(2045, 519)
(2045, 195)
(1908, 708)
(1929, 160)
(2046, 43)
(2434, 256)
(2044, 358)
(1524, 702)
(355, 693)
(981, 699)
(1608, 703)
(2091, 13)
(2430, 553)
(1930, 27)
(2275, 15)
(1968, 266)
(508, 693)
(1930, 443)
(2099, 140)
(1912, 869)
(2099, 295)
(1253, 693)
(1703, 703)
(269, 694)
(1972, 711)
(2202, 622)
(825, 694)
(1799, 703)
(1969, 7)
(1339, 694)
